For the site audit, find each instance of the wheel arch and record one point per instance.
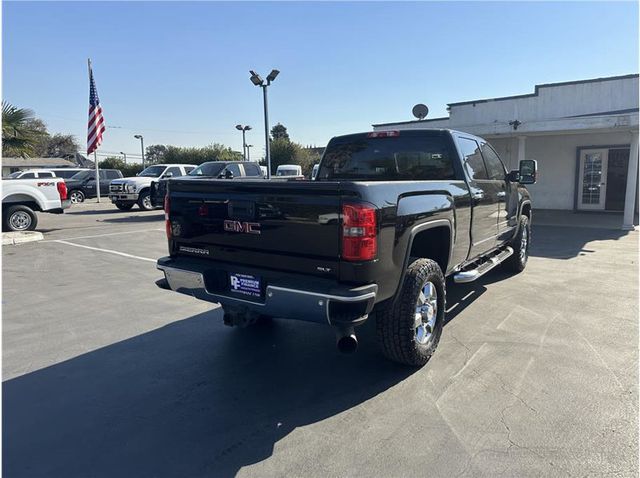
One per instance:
(21, 200)
(421, 239)
(525, 209)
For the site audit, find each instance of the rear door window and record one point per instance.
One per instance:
(66, 174)
(112, 174)
(495, 168)
(473, 162)
(28, 176)
(46, 174)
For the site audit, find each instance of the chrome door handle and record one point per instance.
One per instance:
(477, 197)
(502, 195)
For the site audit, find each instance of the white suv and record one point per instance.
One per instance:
(127, 192)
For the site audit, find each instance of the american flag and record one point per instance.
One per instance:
(96, 120)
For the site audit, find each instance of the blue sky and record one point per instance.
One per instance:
(178, 72)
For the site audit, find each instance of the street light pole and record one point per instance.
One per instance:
(266, 131)
(139, 136)
(249, 152)
(125, 156)
(244, 129)
(258, 81)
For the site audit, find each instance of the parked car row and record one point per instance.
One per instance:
(148, 188)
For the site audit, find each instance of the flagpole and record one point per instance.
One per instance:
(95, 156)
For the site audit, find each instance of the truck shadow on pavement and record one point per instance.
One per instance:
(192, 398)
(157, 217)
(563, 242)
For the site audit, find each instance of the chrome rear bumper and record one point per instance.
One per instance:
(348, 306)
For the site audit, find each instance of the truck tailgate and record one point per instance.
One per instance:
(283, 225)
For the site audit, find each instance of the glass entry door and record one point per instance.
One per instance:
(592, 187)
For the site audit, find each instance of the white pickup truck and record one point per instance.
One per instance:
(20, 200)
(127, 192)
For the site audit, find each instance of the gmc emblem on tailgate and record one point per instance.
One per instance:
(245, 227)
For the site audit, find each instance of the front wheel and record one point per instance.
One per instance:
(409, 329)
(20, 218)
(520, 244)
(124, 206)
(76, 196)
(144, 201)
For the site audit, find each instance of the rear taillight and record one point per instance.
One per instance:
(359, 240)
(62, 190)
(167, 223)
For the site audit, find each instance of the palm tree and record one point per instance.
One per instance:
(18, 135)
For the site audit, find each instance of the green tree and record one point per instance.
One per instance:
(155, 153)
(284, 151)
(199, 155)
(59, 146)
(19, 132)
(113, 162)
(279, 131)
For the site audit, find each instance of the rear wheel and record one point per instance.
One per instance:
(124, 206)
(520, 244)
(20, 218)
(76, 196)
(409, 329)
(144, 201)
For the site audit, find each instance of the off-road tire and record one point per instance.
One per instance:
(395, 320)
(518, 261)
(18, 214)
(124, 206)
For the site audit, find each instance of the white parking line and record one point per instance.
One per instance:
(101, 235)
(109, 251)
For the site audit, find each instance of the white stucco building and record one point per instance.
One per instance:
(584, 135)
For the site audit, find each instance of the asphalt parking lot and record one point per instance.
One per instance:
(107, 375)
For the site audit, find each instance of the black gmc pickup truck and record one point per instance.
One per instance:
(389, 216)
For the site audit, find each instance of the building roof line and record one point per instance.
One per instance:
(413, 121)
(546, 85)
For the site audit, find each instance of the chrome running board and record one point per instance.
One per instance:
(482, 269)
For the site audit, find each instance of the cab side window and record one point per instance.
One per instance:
(472, 158)
(111, 174)
(174, 170)
(252, 169)
(45, 175)
(235, 169)
(495, 168)
(28, 176)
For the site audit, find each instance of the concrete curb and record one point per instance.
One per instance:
(14, 238)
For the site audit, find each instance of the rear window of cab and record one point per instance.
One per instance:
(384, 156)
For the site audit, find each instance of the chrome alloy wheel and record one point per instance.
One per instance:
(20, 221)
(426, 313)
(146, 202)
(76, 197)
(524, 243)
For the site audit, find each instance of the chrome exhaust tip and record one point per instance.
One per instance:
(346, 340)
